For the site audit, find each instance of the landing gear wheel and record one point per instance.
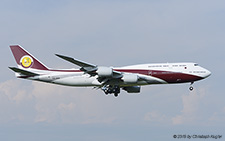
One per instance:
(116, 94)
(191, 88)
(111, 89)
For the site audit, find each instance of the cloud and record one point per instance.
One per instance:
(155, 116)
(16, 102)
(218, 116)
(35, 102)
(56, 104)
(66, 107)
(191, 108)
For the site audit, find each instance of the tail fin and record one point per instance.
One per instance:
(25, 60)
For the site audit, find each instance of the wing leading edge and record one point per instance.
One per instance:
(88, 67)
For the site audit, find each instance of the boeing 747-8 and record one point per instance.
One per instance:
(108, 79)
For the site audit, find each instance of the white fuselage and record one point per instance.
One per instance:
(109, 79)
(152, 74)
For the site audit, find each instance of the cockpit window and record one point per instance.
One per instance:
(195, 64)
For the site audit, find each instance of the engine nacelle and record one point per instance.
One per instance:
(132, 89)
(130, 78)
(104, 71)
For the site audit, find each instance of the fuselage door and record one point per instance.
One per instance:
(150, 72)
(170, 66)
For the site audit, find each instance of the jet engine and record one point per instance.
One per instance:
(104, 72)
(130, 78)
(132, 89)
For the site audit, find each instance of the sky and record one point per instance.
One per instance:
(112, 33)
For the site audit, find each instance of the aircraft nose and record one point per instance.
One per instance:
(208, 73)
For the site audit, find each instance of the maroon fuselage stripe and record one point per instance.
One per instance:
(168, 76)
(66, 70)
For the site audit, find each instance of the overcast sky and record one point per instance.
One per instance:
(112, 33)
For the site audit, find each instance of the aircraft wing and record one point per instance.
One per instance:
(87, 67)
(76, 61)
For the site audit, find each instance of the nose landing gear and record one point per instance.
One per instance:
(191, 87)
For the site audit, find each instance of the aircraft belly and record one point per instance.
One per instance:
(76, 81)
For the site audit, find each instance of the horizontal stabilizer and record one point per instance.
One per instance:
(23, 72)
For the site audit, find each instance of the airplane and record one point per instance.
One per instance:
(109, 79)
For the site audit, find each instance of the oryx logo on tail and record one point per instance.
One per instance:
(26, 61)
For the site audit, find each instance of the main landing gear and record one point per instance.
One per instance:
(191, 87)
(110, 89)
